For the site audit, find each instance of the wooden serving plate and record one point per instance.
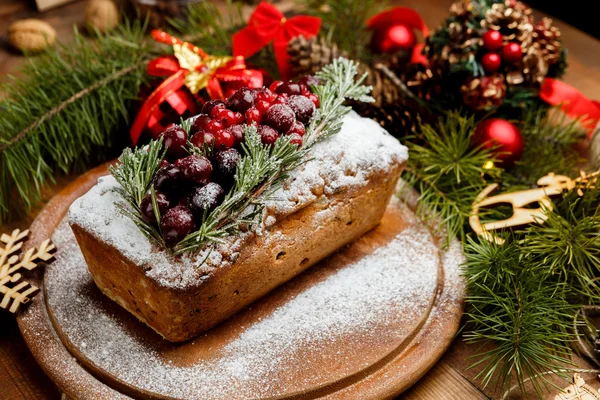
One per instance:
(366, 323)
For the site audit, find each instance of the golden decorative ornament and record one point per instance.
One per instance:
(579, 390)
(101, 15)
(31, 35)
(13, 290)
(550, 185)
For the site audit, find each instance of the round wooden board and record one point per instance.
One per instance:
(375, 362)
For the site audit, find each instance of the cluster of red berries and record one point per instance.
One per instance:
(187, 186)
(493, 41)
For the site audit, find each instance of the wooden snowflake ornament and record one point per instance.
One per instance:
(13, 290)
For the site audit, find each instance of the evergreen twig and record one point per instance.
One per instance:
(66, 103)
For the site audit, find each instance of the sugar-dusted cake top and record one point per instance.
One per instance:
(342, 163)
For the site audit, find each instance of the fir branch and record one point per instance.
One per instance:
(512, 306)
(65, 104)
(448, 171)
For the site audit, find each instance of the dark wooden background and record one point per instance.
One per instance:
(21, 377)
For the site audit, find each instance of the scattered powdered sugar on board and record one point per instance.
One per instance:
(368, 304)
(343, 163)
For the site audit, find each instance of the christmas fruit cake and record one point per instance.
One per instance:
(226, 207)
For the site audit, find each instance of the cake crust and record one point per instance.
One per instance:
(329, 202)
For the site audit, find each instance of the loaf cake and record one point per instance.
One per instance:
(336, 196)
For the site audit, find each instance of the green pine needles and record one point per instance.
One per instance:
(260, 172)
(64, 106)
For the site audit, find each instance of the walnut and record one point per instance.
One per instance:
(31, 35)
(102, 15)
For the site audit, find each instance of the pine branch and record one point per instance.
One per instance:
(65, 104)
(448, 171)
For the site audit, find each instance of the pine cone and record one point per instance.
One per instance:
(426, 82)
(400, 118)
(308, 56)
(512, 19)
(385, 91)
(546, 39)
(484, 93)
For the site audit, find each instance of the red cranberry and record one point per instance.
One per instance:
(267, 134)
(200, 138)
(241, 100)
(253, 116)
(199, 124)
(281, 117)
(224, 139)
(227, 117)
(315, 99)
(208, 197)
(148, 210)
(195, 169)
(281, 99)
(209, 105)
(226, 162)
(288, 88)
(303, 108)
(265, 95)
(308, 81)
(273, 87)
(167, 178)
(296, 139)
(262, 106)
(214, 126)
(176, 224)
(297, 129)
(175, 139)
(237, 131)
(164, 163)
(239, 118)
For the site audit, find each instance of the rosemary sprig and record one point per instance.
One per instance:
(258, 174)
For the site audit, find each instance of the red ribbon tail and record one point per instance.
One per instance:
(164, 90)
(572, 102)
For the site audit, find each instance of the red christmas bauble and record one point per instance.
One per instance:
(512, 52)
(492, 40)
(491, 62)
(392, 38)
(504, 137)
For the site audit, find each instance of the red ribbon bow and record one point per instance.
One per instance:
(233, 73)
(268, 24)
(407, 16)
(572, 102)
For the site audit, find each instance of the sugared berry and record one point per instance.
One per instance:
(281, 117)
(273, 87)
(262, 106)
(289, 88)
(315, 99)
(226, 162)
(199, 124)
(148, 210)
(253, 116)
(214, 126)
(208, 197)
(241, 100)
(267, 134)
(237, 131)
(297, 129)
(308, 81)
(209, 105)
(303, 108)
(195, 169)
(176, 224)
(175, 139)
(281, 99)
(167, 177)
(224, 139)
(296, 139)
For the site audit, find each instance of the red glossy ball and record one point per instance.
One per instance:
(504, 137)
(393, 38)
(512, 52)
(492, 40)
(491, 62)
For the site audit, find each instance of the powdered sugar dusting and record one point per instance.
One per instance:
(344, 163)
(370, 303)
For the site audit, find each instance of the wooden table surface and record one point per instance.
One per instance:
(21, 377)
